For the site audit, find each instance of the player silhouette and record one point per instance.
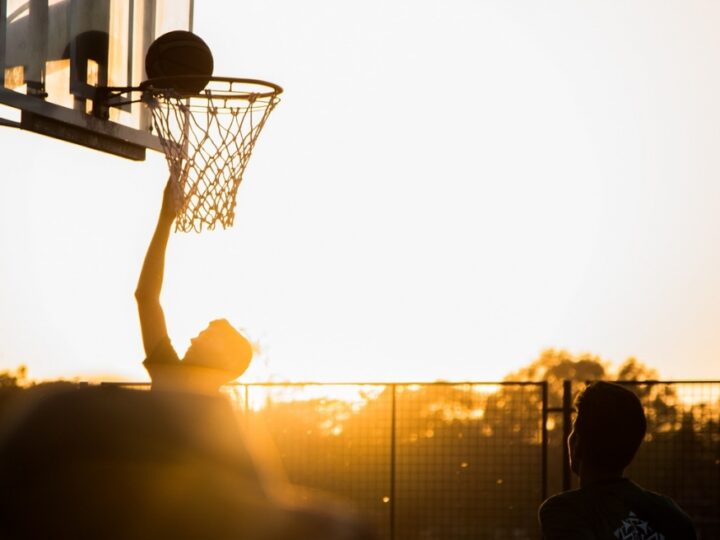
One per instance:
(606, 434)
(218, 355)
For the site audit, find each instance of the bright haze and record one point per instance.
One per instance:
(445, 190)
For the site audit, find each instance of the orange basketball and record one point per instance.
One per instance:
(177, 54)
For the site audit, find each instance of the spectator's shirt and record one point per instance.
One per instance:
(616, 509)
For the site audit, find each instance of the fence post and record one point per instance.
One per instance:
(567, 426)
(393, 449)
(544, 440)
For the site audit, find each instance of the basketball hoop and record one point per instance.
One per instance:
(207, 138)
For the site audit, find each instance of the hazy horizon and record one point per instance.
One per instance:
(442, 193)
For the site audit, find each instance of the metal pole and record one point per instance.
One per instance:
(191, 20)
(131, 47)
(3, 38)
(38, 20)
(544, 435)
(393, 449)
(567, 426)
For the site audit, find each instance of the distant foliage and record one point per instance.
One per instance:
(558, 365)
(13, 378)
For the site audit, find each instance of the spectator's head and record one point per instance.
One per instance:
(221, 348)
(608, 429)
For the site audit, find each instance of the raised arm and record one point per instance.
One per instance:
(147, 294)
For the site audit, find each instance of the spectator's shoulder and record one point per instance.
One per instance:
(561, 517)
(561, 501)
(671, 511)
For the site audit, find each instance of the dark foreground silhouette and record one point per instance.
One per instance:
(607, 432)
(112, 463)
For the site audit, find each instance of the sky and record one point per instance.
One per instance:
(445, 190)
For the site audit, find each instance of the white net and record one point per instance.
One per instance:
(208, 139)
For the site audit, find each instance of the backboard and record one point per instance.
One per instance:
(54, 54)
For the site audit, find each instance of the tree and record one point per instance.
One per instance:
(13, 378)
(634, 370)
(557, 365)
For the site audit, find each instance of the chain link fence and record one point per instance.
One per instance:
(680, 456)
(436, 461)
(474, 460)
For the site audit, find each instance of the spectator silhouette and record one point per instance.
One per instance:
(607, 432)
(118, 464)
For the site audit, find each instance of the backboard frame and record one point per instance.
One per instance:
(80, 123)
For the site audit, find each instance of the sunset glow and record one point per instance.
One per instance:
(441, 194)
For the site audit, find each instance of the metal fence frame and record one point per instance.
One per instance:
(564, 411)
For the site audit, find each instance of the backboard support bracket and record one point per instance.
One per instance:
(69, 133)
(64, 62)
(73, 126)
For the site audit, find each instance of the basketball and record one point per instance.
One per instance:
(177, 54)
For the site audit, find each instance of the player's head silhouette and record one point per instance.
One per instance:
(220, 346)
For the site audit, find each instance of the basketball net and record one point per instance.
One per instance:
(208, 139)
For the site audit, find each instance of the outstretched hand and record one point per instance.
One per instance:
(168, 209)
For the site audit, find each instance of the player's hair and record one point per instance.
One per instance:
(611, 425)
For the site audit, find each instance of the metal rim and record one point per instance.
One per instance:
(158, 85)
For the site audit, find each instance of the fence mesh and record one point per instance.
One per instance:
(440, 461)
(436, 461)
(333, 438)
(680, 456)
(469, 461)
